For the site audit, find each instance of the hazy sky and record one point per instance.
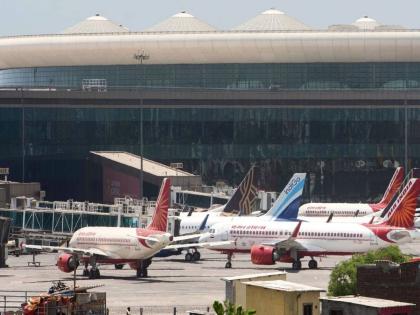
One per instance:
(52, 16)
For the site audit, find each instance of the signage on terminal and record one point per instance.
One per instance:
(4, 171)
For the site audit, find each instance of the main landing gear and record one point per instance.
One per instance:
(92, 273)
(228, 264)
(297, 264)
(192, 255)
(313, 264)
(142, 270)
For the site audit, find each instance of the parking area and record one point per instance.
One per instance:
(171, 281)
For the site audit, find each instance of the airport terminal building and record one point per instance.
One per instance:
(341, 103)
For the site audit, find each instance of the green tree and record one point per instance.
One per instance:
(343, 277)
(228, 308)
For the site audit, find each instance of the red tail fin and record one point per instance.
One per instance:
(160, 217)
(395, 183)
(401, 213)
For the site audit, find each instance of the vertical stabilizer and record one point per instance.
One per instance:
(287, 204)
(402, 211)
(393, 187)
(160, 217)
(245, 195)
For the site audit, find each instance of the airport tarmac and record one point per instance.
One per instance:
(171, 281)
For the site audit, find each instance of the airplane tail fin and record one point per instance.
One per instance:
(245, 194)
(403, 209)
(393, 187)
(287, 204)
(160, 217)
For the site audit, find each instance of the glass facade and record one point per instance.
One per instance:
(398, 75)
(348, 151)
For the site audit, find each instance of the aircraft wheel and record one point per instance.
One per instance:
(145, 274)
(119, 266)
(97, 274)
(94, 274)
(196, 256)
(188, 257)
(297, 265)
(86, 273)
(313, 264)
(228, 265)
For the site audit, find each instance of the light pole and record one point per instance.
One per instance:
(140, 56)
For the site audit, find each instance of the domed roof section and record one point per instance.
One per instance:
(96, 24)
(181, 22)
(366, 23)
(272, 20)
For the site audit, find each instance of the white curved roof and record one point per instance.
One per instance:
(272, 20)
(366, 23)
(181, 22)
(210, 47)
(95, 24)
(343, 28)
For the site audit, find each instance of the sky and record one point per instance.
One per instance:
(19, 17)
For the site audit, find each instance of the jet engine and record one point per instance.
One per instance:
(67, 263)
(263, 255)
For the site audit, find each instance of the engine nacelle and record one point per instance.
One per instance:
(67, 263)
(263, 255)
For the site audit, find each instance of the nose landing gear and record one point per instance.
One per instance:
(228, 264)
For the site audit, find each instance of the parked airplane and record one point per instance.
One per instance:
(352, 209)
(114, 245)
(288, 241)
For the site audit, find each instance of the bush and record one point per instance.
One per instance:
(228, 308)
(343, 277)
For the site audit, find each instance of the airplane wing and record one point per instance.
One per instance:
(186, 237)
(293, 242)
(203, 245)
(69, 250)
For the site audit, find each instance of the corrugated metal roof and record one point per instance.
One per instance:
(95, 24)
(133, 161)
(181, 22)
(367, 301)
(281, 285)
(272, 20)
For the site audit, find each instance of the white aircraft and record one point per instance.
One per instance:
(354, 209)
(118, 246)
(288, 241)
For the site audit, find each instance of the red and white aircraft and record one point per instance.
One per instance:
(118, 246)
(354, 209)
(289, 241)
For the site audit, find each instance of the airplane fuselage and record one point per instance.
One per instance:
(120, 244)
(318, 238)
(338, 209)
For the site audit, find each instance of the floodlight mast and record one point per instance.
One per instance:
(140, 56)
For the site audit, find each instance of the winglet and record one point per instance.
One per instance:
(295, 232)
(203, 224)
(160, 217)
(330, 217)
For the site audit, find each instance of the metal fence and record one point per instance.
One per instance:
(164, 310)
